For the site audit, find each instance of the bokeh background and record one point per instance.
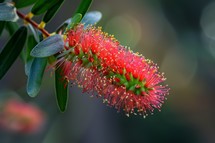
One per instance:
(179, 35)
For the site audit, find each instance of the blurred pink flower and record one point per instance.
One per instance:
(21, 117)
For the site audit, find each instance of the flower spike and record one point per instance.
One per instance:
(101, 66)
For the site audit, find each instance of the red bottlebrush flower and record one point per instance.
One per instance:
(100, 65)
(21, 117)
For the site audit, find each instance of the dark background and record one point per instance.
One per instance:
(178, 35)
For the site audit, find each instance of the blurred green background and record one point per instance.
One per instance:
(179, 35)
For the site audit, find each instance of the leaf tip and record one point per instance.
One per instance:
(32, 92)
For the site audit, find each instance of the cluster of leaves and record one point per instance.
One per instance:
(35, 49)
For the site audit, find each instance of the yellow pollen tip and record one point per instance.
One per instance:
(29, 15)
(52, 33)
(42, 25)
(64, 37)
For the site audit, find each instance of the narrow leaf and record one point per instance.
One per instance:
(63, 26)
(8, 12)
(91, 18)
(74, 20)
(35, 32)
(2, 24)
(22, 54)
(41, 6)
(23, 3)
(48, 47)
(52, 11)
(61, 87)
(11, 27)
(35, 76)
(83, 7)
(31, 43)
(12, 50)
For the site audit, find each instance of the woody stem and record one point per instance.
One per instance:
(33, 23)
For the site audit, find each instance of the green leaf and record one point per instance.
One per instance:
(31, 43)
(12, 50)
(8, 12)
(83, 7)
(91, 18)
(23, 3)
(2, 24)
(41, 6)
(35, 76)
(61, 87)
(63, 26)
(22, 54)
(11, 27)
(35, 32)
(74, 20)
(48, 47)
(52, 11)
